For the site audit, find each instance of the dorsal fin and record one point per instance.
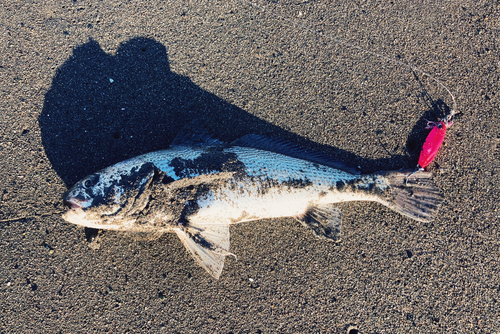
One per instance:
(194, 134)
(208, 244)
(324, 221)
(284, 147)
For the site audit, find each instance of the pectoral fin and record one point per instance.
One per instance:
(324, 221)
(208, 243)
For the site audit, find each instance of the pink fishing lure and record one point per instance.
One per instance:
(432, 142)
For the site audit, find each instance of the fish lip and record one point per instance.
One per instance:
(71, 203)
(75, 204)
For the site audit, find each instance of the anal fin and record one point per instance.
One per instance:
(208, 243)
(324, 221)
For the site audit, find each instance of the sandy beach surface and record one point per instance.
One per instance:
(88, 84)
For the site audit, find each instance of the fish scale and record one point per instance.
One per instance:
(275, 186)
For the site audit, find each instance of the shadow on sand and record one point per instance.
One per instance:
(102, 109)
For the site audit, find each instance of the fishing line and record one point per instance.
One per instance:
(349, 45)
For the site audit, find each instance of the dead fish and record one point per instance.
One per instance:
(199, 186)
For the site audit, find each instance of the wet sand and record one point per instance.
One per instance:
(85, 85)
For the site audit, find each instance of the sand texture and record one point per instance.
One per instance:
(85, 84)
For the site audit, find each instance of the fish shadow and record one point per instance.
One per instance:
(102, 109)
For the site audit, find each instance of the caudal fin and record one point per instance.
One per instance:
(418, 197)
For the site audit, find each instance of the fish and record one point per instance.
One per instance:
(200, 186)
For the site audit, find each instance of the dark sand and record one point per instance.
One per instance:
(242, 71)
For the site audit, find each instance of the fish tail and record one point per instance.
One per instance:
(419, 198)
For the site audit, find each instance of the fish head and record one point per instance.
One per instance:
(110, 198)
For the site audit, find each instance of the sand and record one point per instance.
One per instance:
(87, 84)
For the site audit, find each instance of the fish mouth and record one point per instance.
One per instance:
(71, 203)
(74, 203)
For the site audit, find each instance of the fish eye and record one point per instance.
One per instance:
(440, 126)
(90, 181)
